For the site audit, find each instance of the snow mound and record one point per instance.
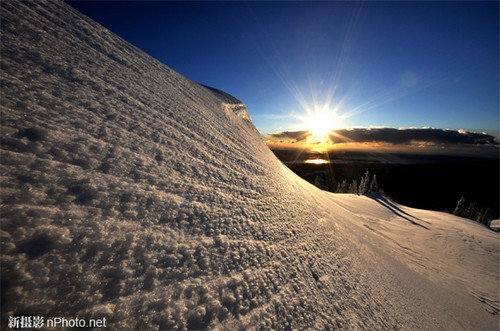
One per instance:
(495, 225)
(132, 193)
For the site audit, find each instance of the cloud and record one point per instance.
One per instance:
(289, 136)
(392, 136)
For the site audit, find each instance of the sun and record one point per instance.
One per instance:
(320, 121)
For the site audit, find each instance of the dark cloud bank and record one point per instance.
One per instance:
(393, 136)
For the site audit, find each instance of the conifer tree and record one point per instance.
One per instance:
(344, 187)
(486, 219)
(460, 208)
(353, 188)
(471, 211)
(374, 185)
(479, 216)
(364, 185)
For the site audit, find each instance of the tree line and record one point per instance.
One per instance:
(366, 185)
(473, 211)
(369, 185)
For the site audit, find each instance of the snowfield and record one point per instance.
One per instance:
(132, 193)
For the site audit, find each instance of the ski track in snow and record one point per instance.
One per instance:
(132, 193)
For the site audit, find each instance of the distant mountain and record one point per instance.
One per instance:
(132, 193)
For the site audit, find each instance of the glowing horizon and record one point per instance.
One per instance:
(387, 139)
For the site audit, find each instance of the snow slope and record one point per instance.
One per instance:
(131, 193)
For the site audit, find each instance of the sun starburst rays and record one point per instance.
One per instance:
(320, 121)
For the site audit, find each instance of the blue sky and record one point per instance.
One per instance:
(381, 64)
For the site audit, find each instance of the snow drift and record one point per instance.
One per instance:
(132, 193)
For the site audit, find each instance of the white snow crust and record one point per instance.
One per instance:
(132, 193)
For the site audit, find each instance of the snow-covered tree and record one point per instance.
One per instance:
(486, 217)
(460, 208)
(479, 216)
(374, 185)
(345, 186)
(471, 211)
(353, 188)
(342, 187)
(364, 185)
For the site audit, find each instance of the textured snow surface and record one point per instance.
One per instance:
(132, 193)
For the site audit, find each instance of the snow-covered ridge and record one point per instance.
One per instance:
(132, 193)
(237, 109)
